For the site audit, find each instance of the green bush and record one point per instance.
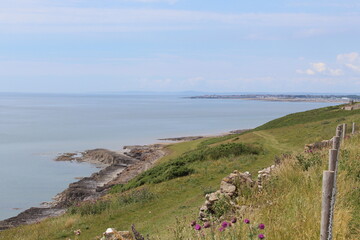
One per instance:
(305, 162)
(180, 166)
(221, 207)
(89, 207)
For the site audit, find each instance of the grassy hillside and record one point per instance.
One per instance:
(175, 187)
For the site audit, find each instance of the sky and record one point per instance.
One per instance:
(86, 46)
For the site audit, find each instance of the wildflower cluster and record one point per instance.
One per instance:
(254, 231)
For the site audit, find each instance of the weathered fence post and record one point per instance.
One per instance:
(327, 190)
(333, 157)
(344, 131)
(336, 143)
(339, 130)
(353, 128)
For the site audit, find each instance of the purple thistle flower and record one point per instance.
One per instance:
(261, 226)
(225, 224)
(221, 229)
(197, 227)
(207, 224)
(234, 220)
(261, 236)
(247, 221)
(193, 223)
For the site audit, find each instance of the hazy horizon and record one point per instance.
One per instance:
(190, 93)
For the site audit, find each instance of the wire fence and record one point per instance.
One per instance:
(329, 189)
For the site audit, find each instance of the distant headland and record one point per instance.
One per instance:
(286, 97)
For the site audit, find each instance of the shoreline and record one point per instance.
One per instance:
(278, 98)
(117, 167)
(294, 100)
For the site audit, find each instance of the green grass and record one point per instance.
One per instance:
(322, 114)
(206, 162)
(116, 201)
(290, 203)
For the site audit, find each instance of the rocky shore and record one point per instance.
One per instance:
(179, 139)
(116, 168)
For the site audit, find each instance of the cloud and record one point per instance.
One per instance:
(335, 72)
(320, 68)
(350, 60)
(348, 57)
(307, 71)
(353, 67)
(348, 63)
(46, 17)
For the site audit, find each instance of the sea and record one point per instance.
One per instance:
(35, 128)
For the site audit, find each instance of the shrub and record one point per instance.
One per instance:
(180, 166)
(305, 162)
(221, 207)
(89, 207)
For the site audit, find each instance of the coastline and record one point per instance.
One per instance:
(279, 98)
(295, 100)
(118, 167)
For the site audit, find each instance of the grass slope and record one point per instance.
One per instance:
(181, 196)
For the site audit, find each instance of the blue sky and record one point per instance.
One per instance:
(84, 46)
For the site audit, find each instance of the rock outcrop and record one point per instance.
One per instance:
(230, 187)
(318, 145)
(97, 156)
(178, 139)
(146, 152)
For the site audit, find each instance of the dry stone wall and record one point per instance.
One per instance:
(231, 187)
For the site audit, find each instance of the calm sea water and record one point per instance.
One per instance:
(35, 128)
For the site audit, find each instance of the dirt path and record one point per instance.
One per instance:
(271, 140)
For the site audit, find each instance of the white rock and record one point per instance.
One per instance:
(109, 230)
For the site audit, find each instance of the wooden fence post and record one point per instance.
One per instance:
(327, 189)
(336, 143)
(353, 128)
(339, 130)
(344, 131)
(333, 157)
